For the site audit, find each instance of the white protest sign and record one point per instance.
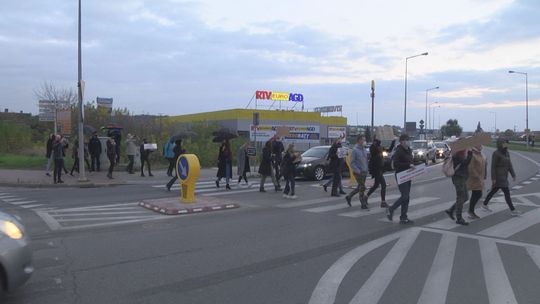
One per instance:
(410, 174)
(342, 152)
(150, 146)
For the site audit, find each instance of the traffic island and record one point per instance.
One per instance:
(173, 206)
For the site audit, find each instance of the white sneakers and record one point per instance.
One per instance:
(290, 196)
(485, 208)
(516, 212)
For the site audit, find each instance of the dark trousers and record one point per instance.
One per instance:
(145, 160)
(244, 176)
(507, 197)
(379, 181)
(336, 182)
(277, 170)
(111, 165)
(360, 187)
(173, 180)
(58, 167)
(331, 181)
(95, 163)
(290, 183)
(75, 165)
(130, 164)
(171, 166)
(475, 197)
(403, 200)
(462, 195)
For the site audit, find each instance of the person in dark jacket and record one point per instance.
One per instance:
(224, 164)
(145, 158)
(403, 160)
(48, 154)
(288, 166)
(461, 161)
(376, 168)
(94, 147)
(111, 155)
(242, 161)
(501, 166)
(277, 155)
(335, 166)
(178, 151)
(265, 169)
(58, 155)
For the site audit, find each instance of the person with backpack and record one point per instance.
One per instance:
(475, 182)
(178, 151)
(376, 169)
(501, 166)
(460, 161)
(265, 169)
(168, 153)
(403, 161)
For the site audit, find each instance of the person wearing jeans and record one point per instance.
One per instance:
(501, 166)
(403, 161)
(359, 165)
(290, 160)
(178, 151)
(58, 155)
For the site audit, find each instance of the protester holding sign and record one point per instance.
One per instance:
(461, 161)
(403, 161)
(145, 157)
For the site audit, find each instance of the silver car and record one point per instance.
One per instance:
(15, 254)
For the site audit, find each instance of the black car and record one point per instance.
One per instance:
(314, 165)
(443, 150)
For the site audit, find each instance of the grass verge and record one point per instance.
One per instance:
(518, 147)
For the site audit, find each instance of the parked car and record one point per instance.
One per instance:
(15, 254)
(314, 165)
(423, 151)
(443, 150)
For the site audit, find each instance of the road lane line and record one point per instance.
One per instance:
(31, 206)
(448, 224)
(23, 202)
(60, 214)
(308, 202)
(514, 225)
(10, 200)
(341, 206)
(361, 213)
(534, 253)
(535, 178)
(525, 201)
(517, 187)
(326, 290)
(97, 219)
(438, 281)
(376, 284)
(526, 182)
(498, 286)
(231, 192)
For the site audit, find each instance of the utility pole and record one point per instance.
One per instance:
(372, 109)
(80, 85)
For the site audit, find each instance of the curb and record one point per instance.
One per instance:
(181, 211)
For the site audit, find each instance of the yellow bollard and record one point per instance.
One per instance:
(352, 181)
(188, 169)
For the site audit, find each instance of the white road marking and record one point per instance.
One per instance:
(31, 206)
(525, 201)
(10, 200)
(326, 290)
(361, 213)
(448, 224)
(517, 187)
(308, 202)
(103, 218)
(534, 253)
(497, 283)
(343, 205)
(61, 214)
(514, 225)
(23, 202)
(526, 182)
(230, 192)
(8, 196)
(379, 280)
(535, 178)
(437, 283)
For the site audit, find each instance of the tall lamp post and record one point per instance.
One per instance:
(527, 131)
(426, 118)
(80, 85)
(431, 118)
(433, 115)
(494, 113)
(406, 70)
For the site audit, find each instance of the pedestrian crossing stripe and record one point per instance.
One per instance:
(360, 213)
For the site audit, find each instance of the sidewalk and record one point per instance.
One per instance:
(38, 179)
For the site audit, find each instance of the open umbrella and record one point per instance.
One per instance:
(182, 135)
(88, 129)
(224, 134)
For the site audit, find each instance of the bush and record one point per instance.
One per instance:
(14, 137)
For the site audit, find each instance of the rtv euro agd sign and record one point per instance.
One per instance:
(279, 96)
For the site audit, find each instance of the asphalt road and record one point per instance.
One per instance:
(98, 246)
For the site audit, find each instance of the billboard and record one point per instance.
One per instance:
(328, 109)
(63, 121)
(296, 133)
(104, 103)
(410, 127)
(279, 96)
(337, 132)
(47, 109)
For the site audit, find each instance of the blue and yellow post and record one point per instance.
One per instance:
(188, 169)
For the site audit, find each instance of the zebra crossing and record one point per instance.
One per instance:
(15, 200)
(208, 188)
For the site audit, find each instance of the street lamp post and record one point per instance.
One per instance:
(495, 113)
(433, 114)
(80, 84)
(527, 131)
(431, 117)
(426, 118)
(406, 70)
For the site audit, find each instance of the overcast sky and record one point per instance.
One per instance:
(176, 57)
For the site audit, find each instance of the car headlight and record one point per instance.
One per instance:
(420, 153)
(307, 165)
(385, 154)
(11, 230)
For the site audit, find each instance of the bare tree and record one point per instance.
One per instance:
(49, 91)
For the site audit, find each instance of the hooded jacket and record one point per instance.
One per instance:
(501, 165)
(477, 171)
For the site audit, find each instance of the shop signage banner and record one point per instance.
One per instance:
(105, 103)
(337, 132)
(295, 133)
(279, 96)
(328, 109)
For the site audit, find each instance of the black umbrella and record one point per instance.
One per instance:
(182, 135)
(88, 129)
(224, 134)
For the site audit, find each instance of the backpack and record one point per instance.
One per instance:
(448, 167)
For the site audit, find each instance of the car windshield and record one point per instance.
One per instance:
(316, 152)
(419, 145)
(440, 145)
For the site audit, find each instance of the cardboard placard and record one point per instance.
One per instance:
(410, 174)
(282, 131)
(470, 142)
